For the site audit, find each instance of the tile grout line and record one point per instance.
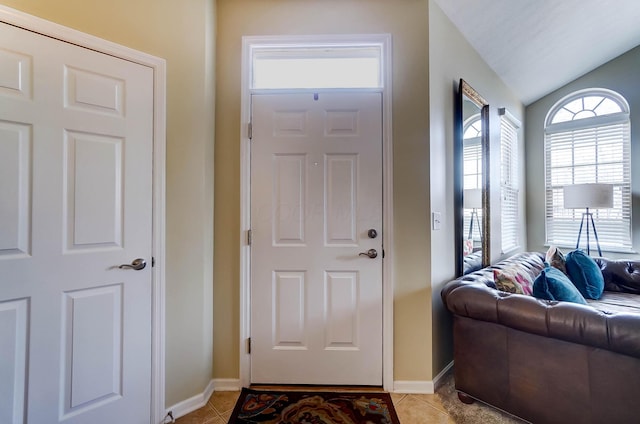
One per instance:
(430, 404)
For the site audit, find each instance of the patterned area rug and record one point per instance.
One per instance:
(262, 406)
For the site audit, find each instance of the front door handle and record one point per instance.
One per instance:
(137, 265)
(372, 253)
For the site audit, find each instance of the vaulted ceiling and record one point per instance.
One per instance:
(537, 46)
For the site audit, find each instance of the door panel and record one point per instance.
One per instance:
(93, 190)
(92, 372)
(15, 188)
(290, 324)
(290, 190)
(340, 189)
(75, 202)
(341, 309)
(316, 172)
(13, 367)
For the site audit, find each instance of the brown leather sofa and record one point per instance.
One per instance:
(547, 361)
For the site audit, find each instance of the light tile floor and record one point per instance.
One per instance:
(217, 410)
(418, 409)
(411, 409)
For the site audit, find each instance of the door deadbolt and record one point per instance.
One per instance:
(372, 233)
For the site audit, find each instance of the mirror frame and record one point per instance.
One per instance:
(465, 90)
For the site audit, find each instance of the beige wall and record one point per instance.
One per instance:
(181, 33)
(451, 57)
(407, 22)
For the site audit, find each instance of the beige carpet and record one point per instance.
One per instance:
(475, 413)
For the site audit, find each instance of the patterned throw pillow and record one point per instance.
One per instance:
(513, 279)
(467, 247)
(556, 259)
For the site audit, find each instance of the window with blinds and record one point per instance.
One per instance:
(587, 140)
(472, 163)
(472, 176)
(509, 185)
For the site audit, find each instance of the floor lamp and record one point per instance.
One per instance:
(588, 196)
(472, 199)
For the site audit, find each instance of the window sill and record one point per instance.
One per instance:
(595, 248)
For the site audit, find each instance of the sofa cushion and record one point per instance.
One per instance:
(556, 259)
(552, 284)
(585, 274)
(611, 302)
(513, 279)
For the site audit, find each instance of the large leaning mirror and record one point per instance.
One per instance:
(472, 180)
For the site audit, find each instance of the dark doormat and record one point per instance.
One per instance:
(267, 406)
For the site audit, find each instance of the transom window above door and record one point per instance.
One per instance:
(321, 67)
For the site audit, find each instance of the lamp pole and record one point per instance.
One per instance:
(589, 217)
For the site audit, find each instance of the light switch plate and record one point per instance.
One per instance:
(436, 220)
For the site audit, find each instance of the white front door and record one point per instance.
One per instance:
(75, 203)
(316, 192)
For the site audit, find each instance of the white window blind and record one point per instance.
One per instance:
(509, 184)
(472, 174)
(592, 149)
(472, 157)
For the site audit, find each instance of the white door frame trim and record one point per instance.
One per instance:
(50, 29)
(249, 45)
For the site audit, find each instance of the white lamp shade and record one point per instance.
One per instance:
(472, 198)
(581, 196)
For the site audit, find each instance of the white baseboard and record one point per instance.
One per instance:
(227, 384)
(440, 376)
(413, 386)
(420, 387)
(196, 402)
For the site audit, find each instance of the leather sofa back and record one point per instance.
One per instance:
(474, 296)
(620, 275)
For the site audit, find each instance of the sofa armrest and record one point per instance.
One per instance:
(620, 275)
(567, 321)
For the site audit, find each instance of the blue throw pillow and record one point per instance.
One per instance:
(585, 274)
(553, 284)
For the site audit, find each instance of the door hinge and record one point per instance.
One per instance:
(249, 345)
(153, 262)
(250, 131)
(249, 237)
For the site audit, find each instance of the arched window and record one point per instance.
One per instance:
(472, 152)
(587, 140)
